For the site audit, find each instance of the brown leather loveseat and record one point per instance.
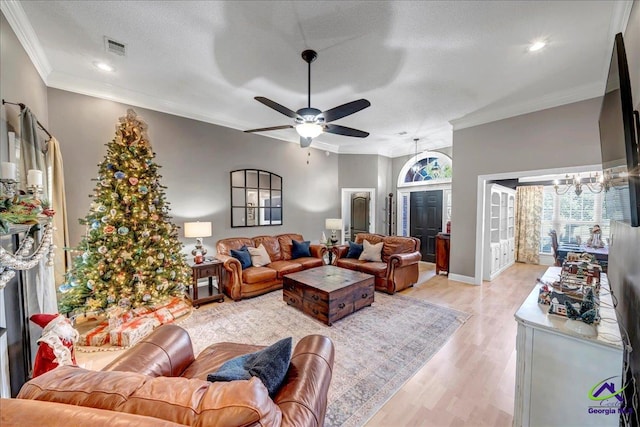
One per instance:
(159, 382)
(398, 269)
(253, 281)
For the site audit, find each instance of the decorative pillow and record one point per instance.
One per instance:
(269, 364)
(243, 256)
(259, 256)
(300, 249)
(371, 252)
(354, 250)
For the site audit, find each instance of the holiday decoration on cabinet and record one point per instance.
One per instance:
(500, 230)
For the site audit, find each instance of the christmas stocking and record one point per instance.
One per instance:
(55, 346)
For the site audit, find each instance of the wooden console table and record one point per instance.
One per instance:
(205, 293)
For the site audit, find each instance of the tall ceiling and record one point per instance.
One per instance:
(427, 67)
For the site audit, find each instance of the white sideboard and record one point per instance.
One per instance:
(557, 368)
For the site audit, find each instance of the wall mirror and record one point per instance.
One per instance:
(256, 198)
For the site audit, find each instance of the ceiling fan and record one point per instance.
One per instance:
(311, 122)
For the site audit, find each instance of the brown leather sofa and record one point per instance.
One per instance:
(254, 281)
(399, 267)
(159, 382)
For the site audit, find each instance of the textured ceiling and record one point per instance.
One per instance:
(423, 65)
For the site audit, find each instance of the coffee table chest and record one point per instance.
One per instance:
(328, 293)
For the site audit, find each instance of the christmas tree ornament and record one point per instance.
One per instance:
(123, 230)
(133, 180)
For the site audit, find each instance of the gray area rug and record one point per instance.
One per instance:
(377, 348)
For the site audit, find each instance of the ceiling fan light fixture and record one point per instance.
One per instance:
(308, 130)
(536, 46)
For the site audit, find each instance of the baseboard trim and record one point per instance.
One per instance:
(464, 279)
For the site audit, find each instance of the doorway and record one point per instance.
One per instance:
(363, 200)
(359, 220)
(426, 220)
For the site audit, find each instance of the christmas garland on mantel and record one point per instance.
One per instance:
(23, 260)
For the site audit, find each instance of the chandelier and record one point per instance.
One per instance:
(596, 184)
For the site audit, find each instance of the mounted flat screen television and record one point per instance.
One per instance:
(618, 141)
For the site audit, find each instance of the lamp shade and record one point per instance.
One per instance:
(197, 229)
(333, 223)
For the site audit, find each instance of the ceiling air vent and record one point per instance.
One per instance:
(115, 47)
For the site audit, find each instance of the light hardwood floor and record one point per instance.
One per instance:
(471, 380)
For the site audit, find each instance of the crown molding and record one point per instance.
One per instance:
(21, 26)
(580, 93)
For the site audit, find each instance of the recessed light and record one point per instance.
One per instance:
(103, 66)
(537, 46)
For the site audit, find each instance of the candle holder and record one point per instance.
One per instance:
(8, 188)
(35, 191)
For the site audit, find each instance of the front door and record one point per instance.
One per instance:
(359, 214)
(426, 221)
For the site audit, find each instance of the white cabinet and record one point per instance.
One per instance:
(500, 230)
(557, 368)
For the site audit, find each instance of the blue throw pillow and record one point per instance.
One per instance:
(354, 250)
(300, 249)
(270, 365)
(243, 256)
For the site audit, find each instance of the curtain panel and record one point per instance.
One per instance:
(528, 222)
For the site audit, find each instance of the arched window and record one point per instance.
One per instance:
(426, 168)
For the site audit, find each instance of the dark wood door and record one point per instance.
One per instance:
(426, 221)
(359, 214)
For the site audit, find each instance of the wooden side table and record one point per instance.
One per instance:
(442, 253)
(208, 269)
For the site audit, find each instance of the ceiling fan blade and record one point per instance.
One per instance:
(279, 108)
(305, 142)
(271, 128)
(343, 130)
(345, 110)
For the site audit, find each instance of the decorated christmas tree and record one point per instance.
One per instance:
(130, 255)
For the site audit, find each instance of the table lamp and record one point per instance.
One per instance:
(199, 230)
(333, 224)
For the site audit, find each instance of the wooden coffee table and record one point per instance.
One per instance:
(328, 293)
